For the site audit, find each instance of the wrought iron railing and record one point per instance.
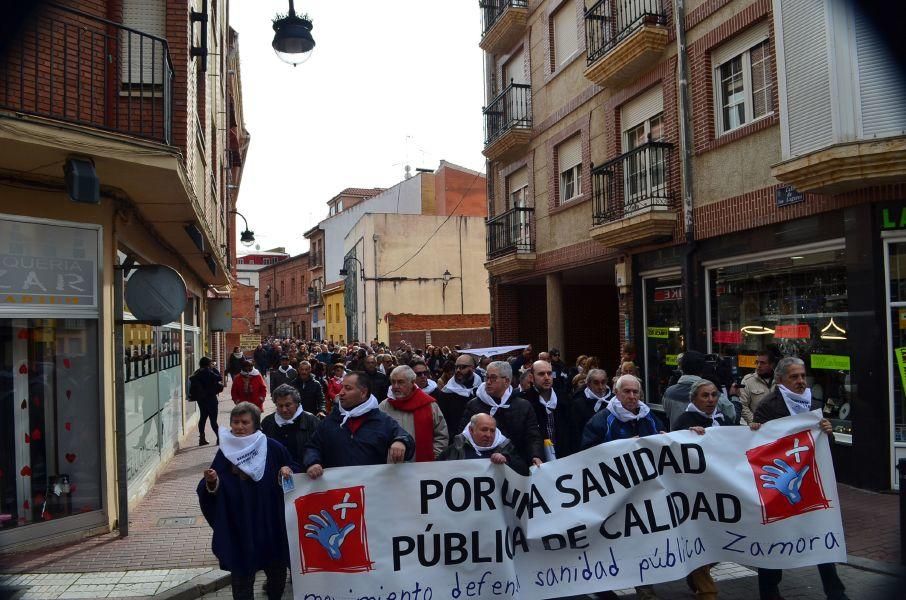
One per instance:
(608, 22)
(492, 9)
(633, 183)
(511, 109)
(69, 65)
(512, 231)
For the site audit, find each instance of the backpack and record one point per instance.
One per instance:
(196, 389)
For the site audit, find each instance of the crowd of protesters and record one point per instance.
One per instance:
(366, 404)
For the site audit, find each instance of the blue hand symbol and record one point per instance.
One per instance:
(785, 479)
(328, 533)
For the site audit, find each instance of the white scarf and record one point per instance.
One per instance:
(251, 373)
(432, 385)
(459, 389)
(247, 452)
(623, 414)
(486, 398)
(549, 405)
(715, 416)
(281, 421)
(499, 439)
(796, 403)
(364, 408)
(284, 370)
(238, 354)
(600, 400)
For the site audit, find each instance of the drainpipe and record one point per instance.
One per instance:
(685, 142)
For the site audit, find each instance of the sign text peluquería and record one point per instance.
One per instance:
(622, 514)
(41, 280)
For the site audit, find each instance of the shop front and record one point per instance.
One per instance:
(52, 463)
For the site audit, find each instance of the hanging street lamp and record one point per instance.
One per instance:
(292, 37)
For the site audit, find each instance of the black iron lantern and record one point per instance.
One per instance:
(293, 42)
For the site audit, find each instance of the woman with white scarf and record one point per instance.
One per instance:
(242, 500)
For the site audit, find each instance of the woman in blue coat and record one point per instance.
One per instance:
(242, 499)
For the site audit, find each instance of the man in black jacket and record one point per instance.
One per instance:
(290, 425)
(481, 439)
(284, 373)
(551, 411)
(791, 396)
(590, 399)
(380, 383)
(515, 416)
(310, 391)
(204, 385)
(460, 389)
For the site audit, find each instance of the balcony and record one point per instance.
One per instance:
(502, 23)
(511, 241)
(624, 38)
(633, 203)
(508, 122)
(67, 65)
(847, 166)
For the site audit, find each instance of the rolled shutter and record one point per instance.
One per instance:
(518, 180)
(142, 58)
(641, 108)
(569, 153)
(749, 38)
(566, 40)
(881, 83)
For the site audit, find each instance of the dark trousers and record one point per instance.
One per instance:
(244, 585)
(207, 412)
(769, 582)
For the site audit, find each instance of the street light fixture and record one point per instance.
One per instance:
(247, 237)
(344, 270)
(292, 37)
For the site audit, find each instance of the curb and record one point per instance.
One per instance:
(876, 566)
(197, 587)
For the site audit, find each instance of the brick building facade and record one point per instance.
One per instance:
(765, 225)
(283, 292)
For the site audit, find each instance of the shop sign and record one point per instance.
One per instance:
(787, 194)
(793, 332)
(659, 332)
(902, 317)
(900, 353)
(746, 361)
(832, 362)
(893, 217)
(249, 341)
(727, 337)
(671, 360)
(44, 264)
(668, 294)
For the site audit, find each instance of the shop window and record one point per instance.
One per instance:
(797, 304)
(897, 301)
(50, 445)
(664, 338)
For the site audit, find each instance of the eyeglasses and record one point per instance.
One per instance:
(494, 377)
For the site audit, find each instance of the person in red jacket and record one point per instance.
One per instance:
(334, 385)
(249, 386)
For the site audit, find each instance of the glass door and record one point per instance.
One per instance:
(896, 336)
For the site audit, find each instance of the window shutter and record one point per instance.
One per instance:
(881, 84)
(142, 58)
(514, 70)
(518, 180)
(569, 153)
(807, 74)
(747, 39)
(641, 108)
(566, 40)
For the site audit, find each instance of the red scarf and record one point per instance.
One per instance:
(419, 404)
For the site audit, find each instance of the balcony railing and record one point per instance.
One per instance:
(609, 22)
(511, 109)
(512, 231)
(69, 65)
(633, 183)
(492, 9)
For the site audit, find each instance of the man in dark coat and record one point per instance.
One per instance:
(676, 397)
(551, 411)
(592, 398)
(357, 432)
(291, 425)
(790, 396)
(310, 391)
(206, 383)
(458, 390)
(284, 373)
(560, 373)
(514, 414)
(380, 382)
(482, 439)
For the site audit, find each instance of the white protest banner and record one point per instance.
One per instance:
(631, 512)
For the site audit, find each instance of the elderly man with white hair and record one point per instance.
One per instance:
(625, 416)
(482, 439)
(417, 413)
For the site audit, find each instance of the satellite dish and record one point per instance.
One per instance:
(156, 293)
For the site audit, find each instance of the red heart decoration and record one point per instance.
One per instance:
(26, 505)
(27, 439)
(24, 405)
(68, 426)
(66, 363)
(23, 334)
(26, 471)
(23, 370)
(70, 457)
(36, 434)
(68, 394)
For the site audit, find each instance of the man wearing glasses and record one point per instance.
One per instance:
(423, 377)
(461, 387)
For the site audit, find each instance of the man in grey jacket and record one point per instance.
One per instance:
(676, 397)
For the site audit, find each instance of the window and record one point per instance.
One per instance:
(517, 186)
(645, 169)
(743, 82)
(569, 160)
(142, 58)
(565, 41)
(292, 286)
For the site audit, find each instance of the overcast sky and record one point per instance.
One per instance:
(388, 84)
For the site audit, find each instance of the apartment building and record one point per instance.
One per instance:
(285, 293)
(121, 146)
(759, 205)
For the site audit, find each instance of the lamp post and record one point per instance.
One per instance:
(247, 237)
(293, 42)
(345, 273)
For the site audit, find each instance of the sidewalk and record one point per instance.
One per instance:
(167, 553)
